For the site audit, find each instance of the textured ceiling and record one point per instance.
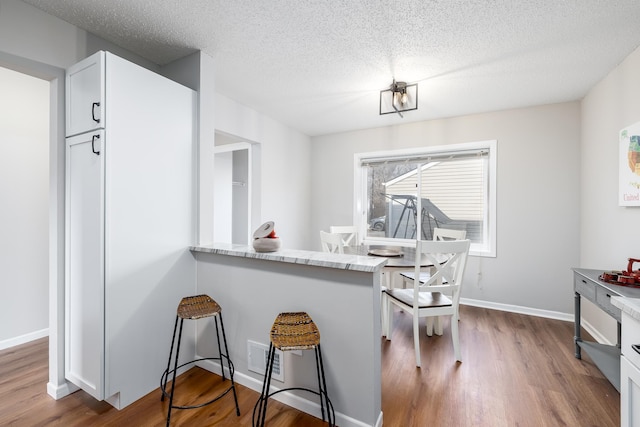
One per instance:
(318, 65)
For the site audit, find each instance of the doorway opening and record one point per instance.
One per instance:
(57, 386)
(24, 220)
(236, 189)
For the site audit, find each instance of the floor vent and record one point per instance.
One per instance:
(257, 355)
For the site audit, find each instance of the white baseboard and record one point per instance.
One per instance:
(290, 399)
(60, 391)
(518, 309)
(22, 339)
(539, 313)
(379, 422)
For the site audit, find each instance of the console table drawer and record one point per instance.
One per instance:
(584, 287)
(603, 299)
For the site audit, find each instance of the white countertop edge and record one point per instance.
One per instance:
(631, 306)
(296, 256)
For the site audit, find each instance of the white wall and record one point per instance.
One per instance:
(537, 208)
(24, 222)
(30, 33)
(223, 189)
(41, 45)
(285, 164)
(610, 234)
(197, 71)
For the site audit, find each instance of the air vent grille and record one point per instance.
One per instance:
(257, 355)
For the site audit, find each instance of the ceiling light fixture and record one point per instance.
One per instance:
(398, 98)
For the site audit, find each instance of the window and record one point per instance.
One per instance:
(407, 193)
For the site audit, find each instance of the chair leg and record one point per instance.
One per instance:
(383, 314)
(389, 319)
(226, 352)
(388, 278)
(416, 337)
(455, 337)
(438, 325)
(429, 323)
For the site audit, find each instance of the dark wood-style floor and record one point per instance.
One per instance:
(517, 370)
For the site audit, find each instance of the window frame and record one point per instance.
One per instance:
(485, 249)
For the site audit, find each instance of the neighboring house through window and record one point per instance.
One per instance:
(405, 194)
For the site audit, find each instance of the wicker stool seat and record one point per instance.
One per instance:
(294, 331)
(193, 308)
(198, 307)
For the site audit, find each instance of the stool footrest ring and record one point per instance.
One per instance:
(200, 405)
(331, 417)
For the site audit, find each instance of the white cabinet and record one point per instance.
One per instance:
(85, 95)
(629, 394)
(630, 372)
(130, 220)
(84, 293)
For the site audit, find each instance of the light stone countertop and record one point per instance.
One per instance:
(367, 264)
(631, 306)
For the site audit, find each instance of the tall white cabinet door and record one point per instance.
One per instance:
(84, 281)
(629, 394)
(85, 93)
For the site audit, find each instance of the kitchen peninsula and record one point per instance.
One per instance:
(342, 295)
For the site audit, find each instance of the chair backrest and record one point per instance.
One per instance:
(349, 234)
(449, 259)
(449, 234)
(331, 242)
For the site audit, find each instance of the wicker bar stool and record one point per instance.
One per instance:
(192, 308)
(294, 331)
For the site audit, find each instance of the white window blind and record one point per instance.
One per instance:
(406, 194)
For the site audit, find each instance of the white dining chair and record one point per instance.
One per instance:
(439, 234)
(349, 234)
(428, 298)
(449, 234)
(331, 242)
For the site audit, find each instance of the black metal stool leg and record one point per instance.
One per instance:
(194, 308)
(166, 373)
(215, 319)
(319, 383)
(264, 397)
(258, 406)
(330, 413)
(294, 331)
(226, 351)
(175, 370)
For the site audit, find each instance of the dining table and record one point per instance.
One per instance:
(397, 256)
(400, 259)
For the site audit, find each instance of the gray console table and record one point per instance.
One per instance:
(587, 285)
